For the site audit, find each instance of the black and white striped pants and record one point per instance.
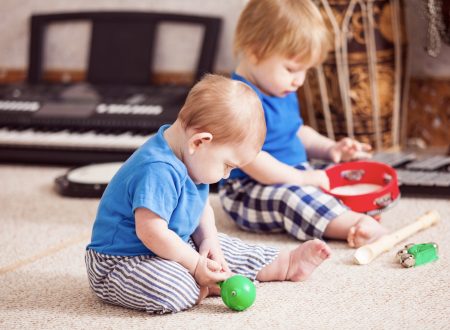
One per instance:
(157, 285)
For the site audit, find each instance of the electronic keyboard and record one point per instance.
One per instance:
(81, 124)
(118, 107)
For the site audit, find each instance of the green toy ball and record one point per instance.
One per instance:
(238, 292)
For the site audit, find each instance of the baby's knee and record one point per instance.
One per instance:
(155, 295)
(173, 298)
(157, 301)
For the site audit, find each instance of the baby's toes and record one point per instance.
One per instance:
(325, 252)
(214, 291)
(361, 237)
(351, 236)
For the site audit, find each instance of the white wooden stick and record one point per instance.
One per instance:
(365, 254)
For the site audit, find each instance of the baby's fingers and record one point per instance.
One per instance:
(346, 142)
(361, 155)
(213, 265)
(225, 267)
(218, 277)
(366, 147)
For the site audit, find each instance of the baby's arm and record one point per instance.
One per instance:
(155, 234)
(268, 170)
(319, 146)
(207, 226)
(205, 237)
(316, 145)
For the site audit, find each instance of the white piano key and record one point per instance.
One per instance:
(66, 138)
(19, 106)
(134, 109)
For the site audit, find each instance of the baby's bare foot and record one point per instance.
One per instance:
(206, 291)
(366, 230)
(305, 258)
(213, 291)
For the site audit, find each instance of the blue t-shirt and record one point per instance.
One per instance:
(283, 122)
(153, 178)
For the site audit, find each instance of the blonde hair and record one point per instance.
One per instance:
(292, 28)
(228, 109)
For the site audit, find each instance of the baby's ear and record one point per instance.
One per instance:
(251, 55)
(198, 140)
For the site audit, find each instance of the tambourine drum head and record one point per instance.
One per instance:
(356, 189)
(86, 181)
(364, 186)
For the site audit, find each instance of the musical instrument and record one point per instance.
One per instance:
(367, 253)
(414, 175)
(418, 254)
(82, 124)
(419, 174)
(359, 90)
(117, 109)
(90, 181)
(364, 186)
(86, 181)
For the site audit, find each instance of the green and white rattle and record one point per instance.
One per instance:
(413, 255)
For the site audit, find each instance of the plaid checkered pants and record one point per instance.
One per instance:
(302, 211)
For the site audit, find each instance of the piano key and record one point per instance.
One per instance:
(429, 164)
(90, 139)
(394, 159)
(7, 105)
(423, 178)
(141, 109)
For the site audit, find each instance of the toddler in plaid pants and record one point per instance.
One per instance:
(276, 42)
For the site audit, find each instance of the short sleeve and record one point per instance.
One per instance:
(156, 188)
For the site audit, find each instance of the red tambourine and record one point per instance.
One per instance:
(377, 181)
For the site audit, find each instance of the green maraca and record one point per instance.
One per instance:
(238, 292)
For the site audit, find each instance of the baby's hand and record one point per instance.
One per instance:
(318, 178)
(210, 248)
(207, 272)
(349, 149)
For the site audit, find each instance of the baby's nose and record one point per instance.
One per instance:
(298, 82)
(299, 79)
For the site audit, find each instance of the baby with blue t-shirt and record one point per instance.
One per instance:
(155, 246)
(276, 42)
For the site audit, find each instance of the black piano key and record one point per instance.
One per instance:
(429, 164)
(394, 159)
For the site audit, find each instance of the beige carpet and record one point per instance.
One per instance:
(43, 284)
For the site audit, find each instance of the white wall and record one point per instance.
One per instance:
(70, 55)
